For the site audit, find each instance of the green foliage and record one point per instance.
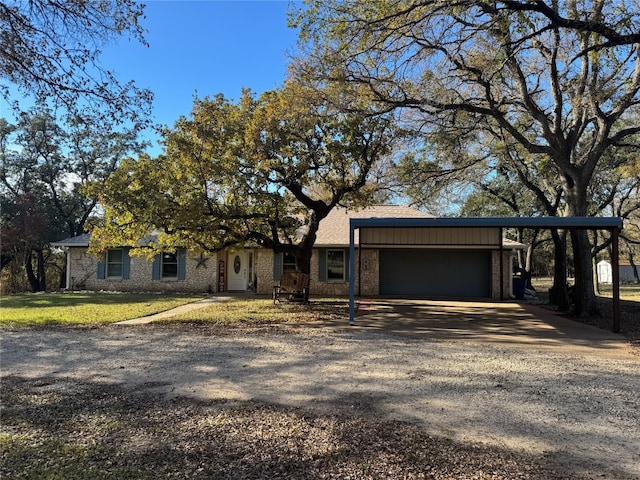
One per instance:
(84, 308)
(46, 171)
(265, 170)
(53, 51)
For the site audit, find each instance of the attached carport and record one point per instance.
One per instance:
(464, 235)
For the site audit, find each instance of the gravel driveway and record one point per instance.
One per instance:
(580, 412)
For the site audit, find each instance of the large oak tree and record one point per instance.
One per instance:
(557, 79)
(263, 171)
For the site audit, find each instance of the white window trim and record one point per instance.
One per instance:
(162, 263)
(344, 266)
(289, 264)
(107, 263)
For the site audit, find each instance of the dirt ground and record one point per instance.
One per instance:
(566, 393)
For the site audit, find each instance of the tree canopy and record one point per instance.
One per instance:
(556, 83)
(46, 168)
(263, 171)
(50, 52)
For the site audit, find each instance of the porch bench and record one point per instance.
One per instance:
(292, 287)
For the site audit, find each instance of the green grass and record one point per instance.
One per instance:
(628, 291)
(103, 308)
(84, 308)
(258, 310)
(234, 310)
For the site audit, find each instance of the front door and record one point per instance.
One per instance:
(239, 270)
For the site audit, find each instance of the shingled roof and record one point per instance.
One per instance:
(334, 229)
(333, 232)
(77, 241)
(83, 241)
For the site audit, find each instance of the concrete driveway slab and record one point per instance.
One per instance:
(507, 324)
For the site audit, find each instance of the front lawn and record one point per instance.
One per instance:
(628, 291)
(84, 308)
(261, 310)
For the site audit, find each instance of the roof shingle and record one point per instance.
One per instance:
(334, 229)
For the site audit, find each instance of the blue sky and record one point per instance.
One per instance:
(202, 47)
(205, 47)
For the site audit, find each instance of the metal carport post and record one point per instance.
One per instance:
(613, 224)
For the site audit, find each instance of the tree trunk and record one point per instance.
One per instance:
(42, 279)
(62, 284)
(585, 295)
(528, 265)
(559, 295)
(634, 268)
(585, 300)
(304, 249)
(31, 276)
(594, 269)
(519, 254)
(303, 259)
(594, 265)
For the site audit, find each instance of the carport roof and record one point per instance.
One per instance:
(497, 222)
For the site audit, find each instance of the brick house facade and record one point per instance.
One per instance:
(257, 269)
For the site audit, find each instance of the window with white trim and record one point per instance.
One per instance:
(114, 263)
(335, 265)
(169, 265)
(288, 263)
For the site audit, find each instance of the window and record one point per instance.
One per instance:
(169, 267)
(335, 265)
(114, 263)
(288, 263)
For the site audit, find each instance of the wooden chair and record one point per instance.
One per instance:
(293, 287)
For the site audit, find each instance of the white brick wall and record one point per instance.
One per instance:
(84, 275)
(204, 278)
(370, 276)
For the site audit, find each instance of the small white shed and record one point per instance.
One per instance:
(604, 272)
(627, 274)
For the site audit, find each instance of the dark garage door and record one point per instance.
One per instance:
(435, 273)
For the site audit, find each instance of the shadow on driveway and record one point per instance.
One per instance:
(507, 324)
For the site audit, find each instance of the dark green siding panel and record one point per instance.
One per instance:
(155, 268)
(102, 267)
